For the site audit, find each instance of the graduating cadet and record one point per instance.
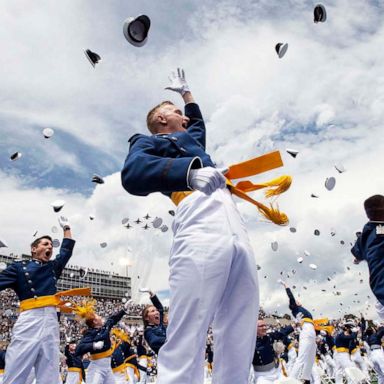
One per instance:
(155, 332)
(342, 351)
(96, 340)
(373, 337)
(264, 359)
(307, 340)
(35, 339)
(369, 246)
(124, 359)
(76, 372)
(212, 266)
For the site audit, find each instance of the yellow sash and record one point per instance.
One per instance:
(342, 349)
(120, 368)
(101, 355)
(53, 300)
(80, 372)
(253, 167)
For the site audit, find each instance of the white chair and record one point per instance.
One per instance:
(287, 380)
(356, 375)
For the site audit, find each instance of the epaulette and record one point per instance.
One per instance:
(134, 137)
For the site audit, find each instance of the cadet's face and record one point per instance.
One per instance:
(98, 321)
(153, 316)
(174, 118)
(261, 328)
(43, 250)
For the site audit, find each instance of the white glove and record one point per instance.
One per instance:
(143, 290)
(98, 345)
(64, 223)
(178, 82)
(281, 282)
(299, 317)
(206, 179)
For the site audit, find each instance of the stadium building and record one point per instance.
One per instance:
(104, 284)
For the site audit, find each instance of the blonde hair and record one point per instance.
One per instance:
(151, 115)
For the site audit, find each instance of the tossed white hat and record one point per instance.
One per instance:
(136, 30)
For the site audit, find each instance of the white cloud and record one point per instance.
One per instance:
(325, 98)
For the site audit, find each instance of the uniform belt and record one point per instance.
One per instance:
(307, 320)
(1, 371)
(253, 167)
(52, 300)
(375, 346)
(342, 349)
(354, 350)
(79, 371)
(290, 346)
(101, 355)
(264, 368)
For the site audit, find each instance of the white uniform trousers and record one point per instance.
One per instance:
(1, 378)
(359, 361)
(302, 367)
(377, 358)
(100, 372)
(342, 361)
(379, 309)
(143, 361)
(316, 374)
(292, 356)
(212, 277)
(73, 378)
(330, 365)
(35, 343)
(131, 374)
(121, 378)
(265, 377)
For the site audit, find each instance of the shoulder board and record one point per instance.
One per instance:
(133, 138)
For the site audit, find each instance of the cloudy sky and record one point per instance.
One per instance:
(325, 98)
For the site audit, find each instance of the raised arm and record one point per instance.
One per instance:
(156, 302)
(66, 247)
(292, 301)
(357, 251)
(196, 126)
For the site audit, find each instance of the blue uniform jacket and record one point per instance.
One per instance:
(375, 338)
(344, 341)
(295, 309)
(33, 278)
(121, 353)
(74, 361)
(370, 247)
(161, 163)
(353, 343)
(2, 359)
(264, 352)
(98, 334)
(155, 335)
